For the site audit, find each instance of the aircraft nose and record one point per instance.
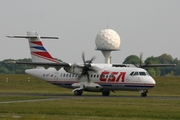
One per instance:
(153, 81)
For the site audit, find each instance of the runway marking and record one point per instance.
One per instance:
(35, 100)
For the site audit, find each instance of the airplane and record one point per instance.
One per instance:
(86, 76)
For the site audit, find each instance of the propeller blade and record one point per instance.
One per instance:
(134, 63)
(140, 62)
(93, 58)
(140, 58)
(83, 57)
(88, 78)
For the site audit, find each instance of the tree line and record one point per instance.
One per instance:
(6, 67)
(157, 71)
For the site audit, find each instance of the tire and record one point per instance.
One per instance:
(78, 92)
(143, 94)
(106, 93)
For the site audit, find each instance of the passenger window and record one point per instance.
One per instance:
(64, 75)
(91, 75)
(97, 76)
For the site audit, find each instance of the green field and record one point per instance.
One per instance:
(162, 102)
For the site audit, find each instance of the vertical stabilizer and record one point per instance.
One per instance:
(37, 50)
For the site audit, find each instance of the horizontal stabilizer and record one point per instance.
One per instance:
(32, 37)
(57, 66)
(62, 64)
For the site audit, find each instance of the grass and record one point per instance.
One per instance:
(91, 108)
(167, 86)
(83, 108)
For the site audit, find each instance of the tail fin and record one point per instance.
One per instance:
(38, 51)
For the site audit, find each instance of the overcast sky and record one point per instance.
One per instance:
(148, 26)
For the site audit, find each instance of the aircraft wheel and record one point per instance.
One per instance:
(106, 93)
(144, 94)
(78, 92)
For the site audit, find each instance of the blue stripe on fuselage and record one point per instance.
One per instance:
(139, 86)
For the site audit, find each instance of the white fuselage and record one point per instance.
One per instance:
(107, 79)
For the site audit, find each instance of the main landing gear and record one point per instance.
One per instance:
(78, 92)
(144, 93)
(106, 93)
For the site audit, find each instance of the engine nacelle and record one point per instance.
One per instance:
(73, 70)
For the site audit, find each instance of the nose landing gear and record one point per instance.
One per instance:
(144, 93)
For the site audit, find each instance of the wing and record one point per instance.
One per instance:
(157, 65)
(144, 65)
(69, 67)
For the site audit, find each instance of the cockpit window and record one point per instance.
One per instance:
(132, 73)
(142, 73)
(136, 73)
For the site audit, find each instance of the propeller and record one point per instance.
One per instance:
(150, 64)
(86, 67)
(140, 62)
